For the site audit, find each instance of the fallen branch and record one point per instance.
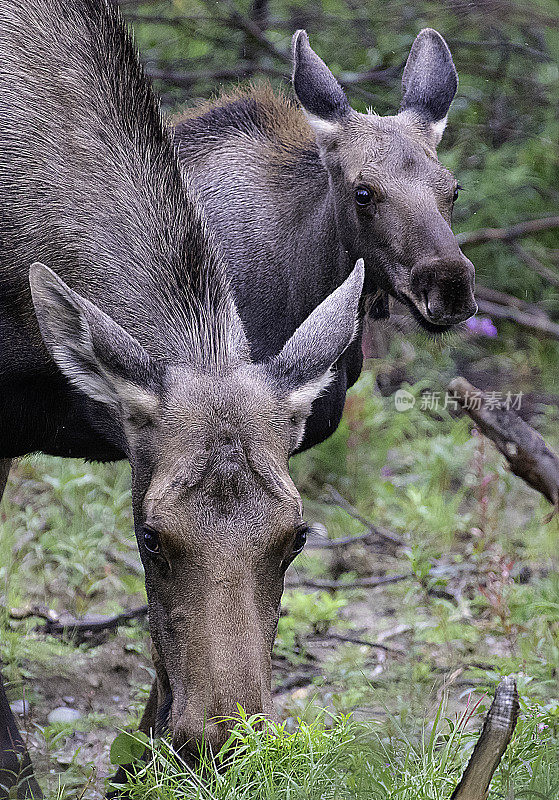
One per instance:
(495, 736)
(86, 628)
(318, 541)
(335, 498)
(535, 265)
(366, 583)
(523, 447)
(503, 299)
(535, 323)
(338, 637)
(507, 234)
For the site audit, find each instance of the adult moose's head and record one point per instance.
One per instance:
(136, 350)
(393, 198)
(217, 517)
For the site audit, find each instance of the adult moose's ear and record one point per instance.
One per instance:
(319, 92)
(96, 355)
(303, 369)
(429, 81)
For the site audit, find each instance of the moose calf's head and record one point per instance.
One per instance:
(393, 198)
(217, 517)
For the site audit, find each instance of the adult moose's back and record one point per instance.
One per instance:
(295, 195)
(125, 343)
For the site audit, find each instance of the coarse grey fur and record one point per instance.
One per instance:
(278, 181)
(119, 338)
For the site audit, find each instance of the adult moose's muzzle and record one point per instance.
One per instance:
(443, 289)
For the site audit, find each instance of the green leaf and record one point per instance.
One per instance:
(128, 747)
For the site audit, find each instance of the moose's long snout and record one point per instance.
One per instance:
(203, 720)
(223, 661)
(443, 289)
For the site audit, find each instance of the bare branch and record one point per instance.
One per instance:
(525, 450)
(497, 732)
(531, 261)
(338, 637)
(381, 533)
(358, 583)
(86, 628)
(501, 298)
(506, 234)
(531, 321)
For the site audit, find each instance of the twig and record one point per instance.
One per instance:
(317, 541)
(338, 637)
(88, 627)
(503, 299)
(295, 680)
(336, 498)
(525, 450)
(531, 261)
(506, 234)
(497, 732)
(243, 23)
(530, 321)
(366, 583)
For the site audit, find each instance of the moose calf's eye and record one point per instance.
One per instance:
(363, 196)
(151, 541)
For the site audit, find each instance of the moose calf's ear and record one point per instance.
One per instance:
(429, 81)
(303, 369)
(96, 355)
(319, 92)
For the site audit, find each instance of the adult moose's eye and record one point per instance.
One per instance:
(151, 541)
(300, 538)
(363, 196)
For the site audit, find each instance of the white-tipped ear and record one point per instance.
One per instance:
(437, 129)
(96, 355)
(318, 91)
(303, 369)
(323, 128)
(429, 82)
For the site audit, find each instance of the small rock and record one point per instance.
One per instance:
(69, 700)
(20, 707)
(63, 715)
(93, 680)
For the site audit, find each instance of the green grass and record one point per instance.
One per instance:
(339, 758)
(482, 601)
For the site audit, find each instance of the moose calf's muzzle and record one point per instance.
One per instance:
(444, 290)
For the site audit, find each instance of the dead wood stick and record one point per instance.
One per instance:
(531, 261)
(503, 234)
(365, 583)
(88, 627)
(336, 498)
(536, 323)
(317, 541)
(338, 637)
(523, 447)
(503, 299)
(495, 736)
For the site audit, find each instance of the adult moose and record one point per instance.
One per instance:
(295, 196)
(125, 343)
